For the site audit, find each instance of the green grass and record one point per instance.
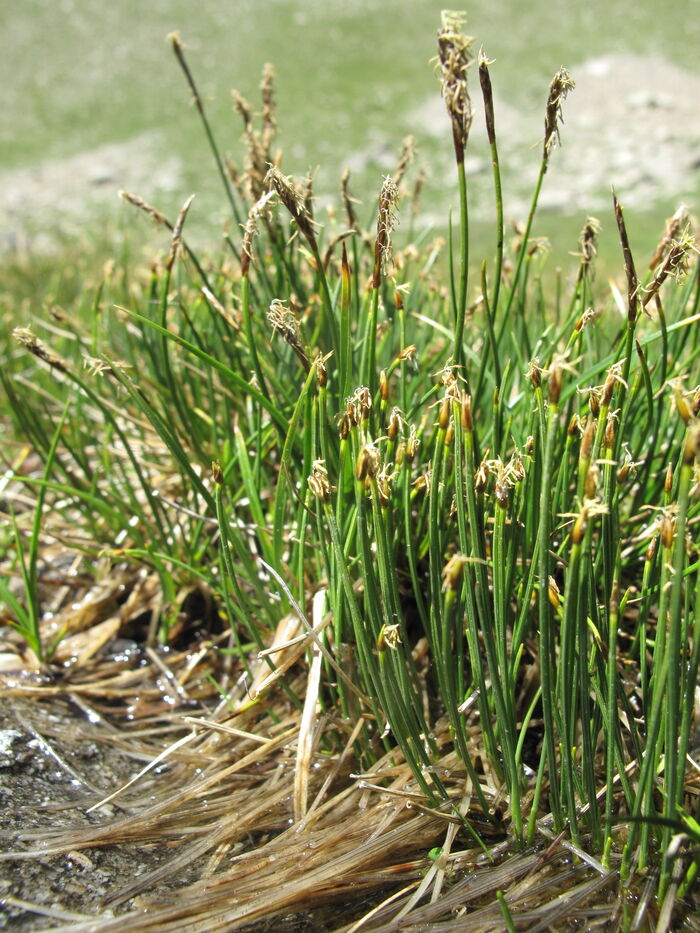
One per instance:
(497, 496)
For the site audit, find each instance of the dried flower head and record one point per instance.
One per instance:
(348, 200)
(553, 593)
(359, 405)
(454, 58)
(26, 337)
(159, 219)
(176, 238)
(408, 353)
(588, 316)
(562, 83)
(283, 320)
(386, 222)
(408, 151)
(259, 211)
(293, 201)
(534, 373)
(418, 186)
(588, 240)
(675, 264)
(412, 444)
(368, 462)
(674, 227)
(269, 117)
(98, 366)
(389, 637)
(385, 478)
(319, 483)
(394, 423)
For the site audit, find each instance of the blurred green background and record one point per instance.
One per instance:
(94, 102)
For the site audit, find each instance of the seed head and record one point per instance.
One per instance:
(562, 83)
(534, 373)
(412, 444)
(591, 482)
(259, 211)
(466, 413)
(348, 200)
(383, 385)
(555, 383)
(675, 263)
(668, 480)
(674, 226)
(580, 526)
(368, 462)
(176, 238)
(388, 638)
(319, 483)
(359, 405)
(444, 416)
(691, 446)
(159, 219)
(454, 58)
(384, 481)
(293, 201)
(408, 151)
(587, 440)
(216, 473)
(610, 430)
(283, 320)
(386, 222)
(26, 337)
(394, 425)
(553, 593)
(588, 242)
(267, 93)
(667, 528)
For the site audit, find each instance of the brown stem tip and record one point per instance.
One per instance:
(454, 57)
(562, 83)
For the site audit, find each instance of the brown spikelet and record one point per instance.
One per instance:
(408, 151)
(269, 107)
(674, 265)
(562, 83)
(284, 321)
(588, 241)
(244, 109)
(28, 339)
(179, 50)
(348, 200)
(454, 57)
(158, 218)
(418, 186)
(176, 238)
(259, 211)
(386, 221)
(487, 94)
(674, 226)
(307, 194)
(292, 200)
(319, 484)
(632, 281)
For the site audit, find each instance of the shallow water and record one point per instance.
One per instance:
(94, 101)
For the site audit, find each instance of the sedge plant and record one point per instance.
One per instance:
(504, 536)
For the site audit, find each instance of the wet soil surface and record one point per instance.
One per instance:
(53, 767)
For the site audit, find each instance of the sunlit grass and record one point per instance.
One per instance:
(482, 494)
